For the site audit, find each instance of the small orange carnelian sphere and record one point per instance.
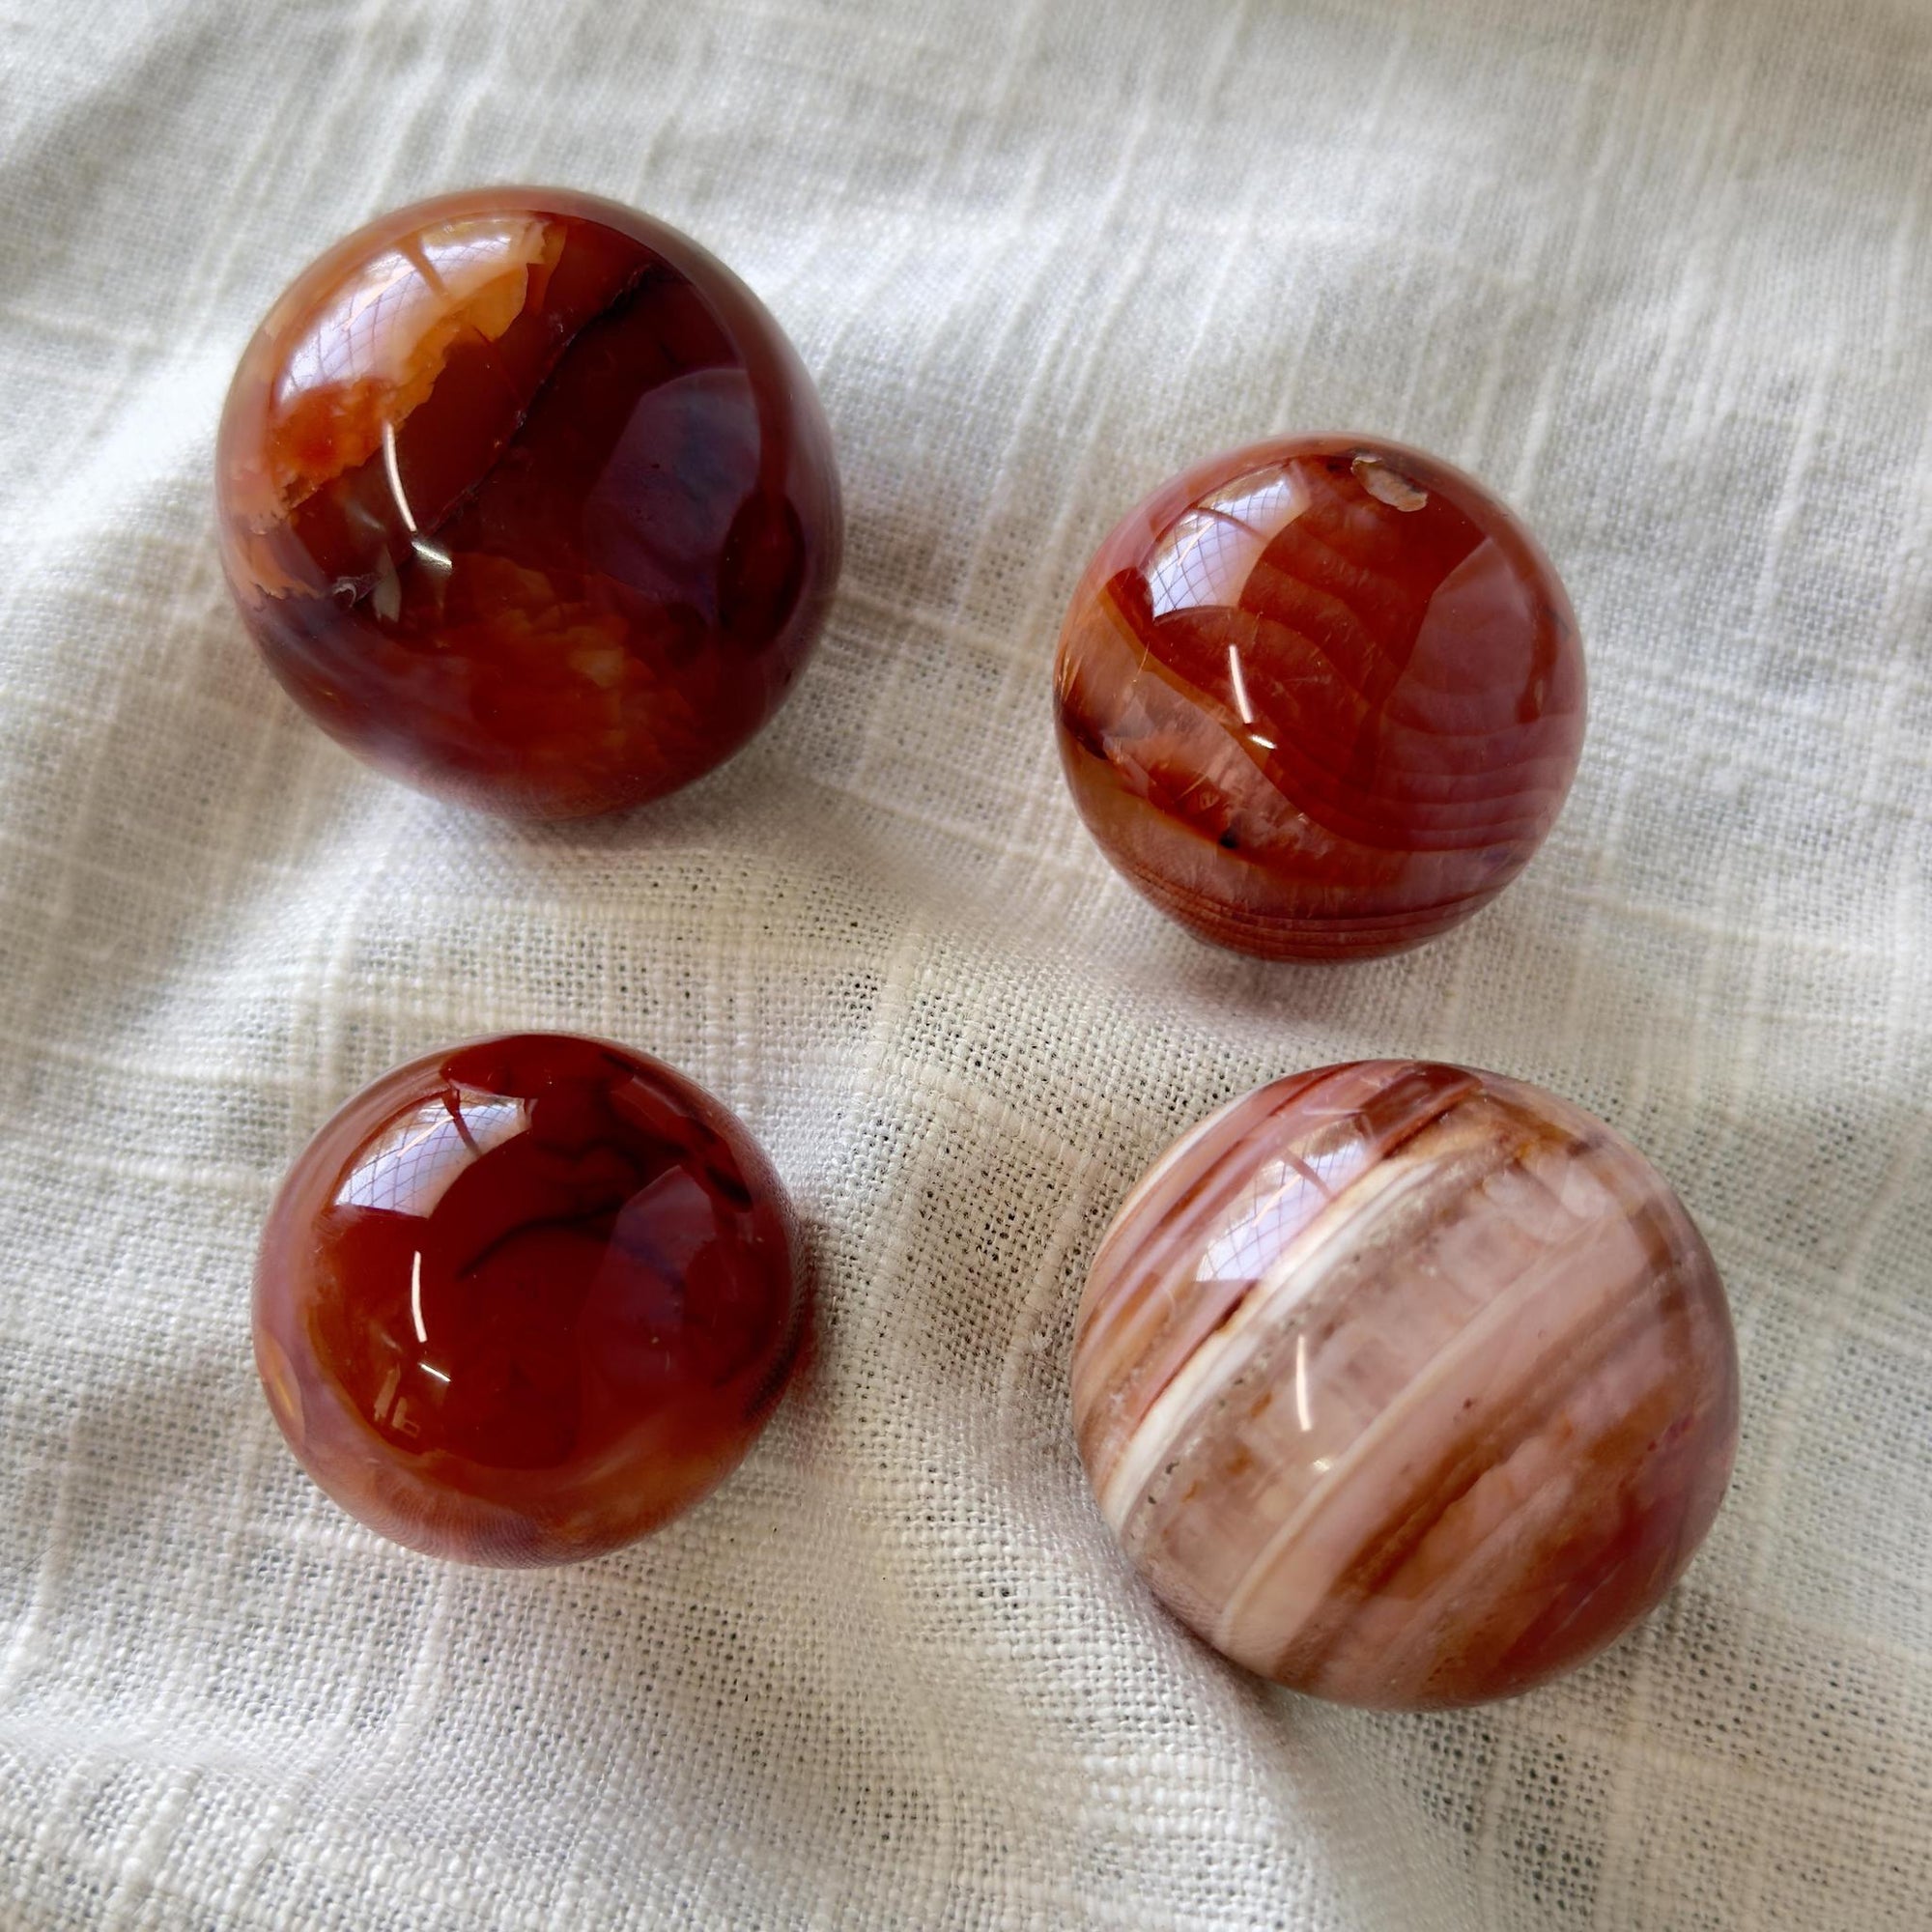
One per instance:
(524, 1299)
(1320, 698)
(527, 500)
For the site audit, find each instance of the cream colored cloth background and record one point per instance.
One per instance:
(1660, 269)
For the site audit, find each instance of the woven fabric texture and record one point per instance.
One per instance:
(1660, 270)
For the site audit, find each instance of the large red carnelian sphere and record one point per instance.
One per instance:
(527, 500)
(521, 1301)
(1320, 698)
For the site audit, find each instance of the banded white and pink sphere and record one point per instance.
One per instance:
(1405, 1386)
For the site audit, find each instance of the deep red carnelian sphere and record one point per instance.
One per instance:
(524, 1299)
(1320, 698)
(527, 500)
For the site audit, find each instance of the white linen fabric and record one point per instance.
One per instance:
(1660, 271)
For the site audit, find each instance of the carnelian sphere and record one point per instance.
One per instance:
(1320, 698)
(1405, 1386)
(524, 1299)
(527, 500)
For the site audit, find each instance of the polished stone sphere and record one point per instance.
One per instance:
(527, 500)
(521, 1301)
(1320, 698)
(1405, 1386)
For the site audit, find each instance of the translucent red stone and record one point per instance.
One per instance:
(527, 500)
(524, 1299)
(1320, 698)
(1404, 1384)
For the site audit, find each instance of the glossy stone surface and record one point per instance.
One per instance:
(524, 1299)
(1405, 1386)
(527, 500)
(1320, 698)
